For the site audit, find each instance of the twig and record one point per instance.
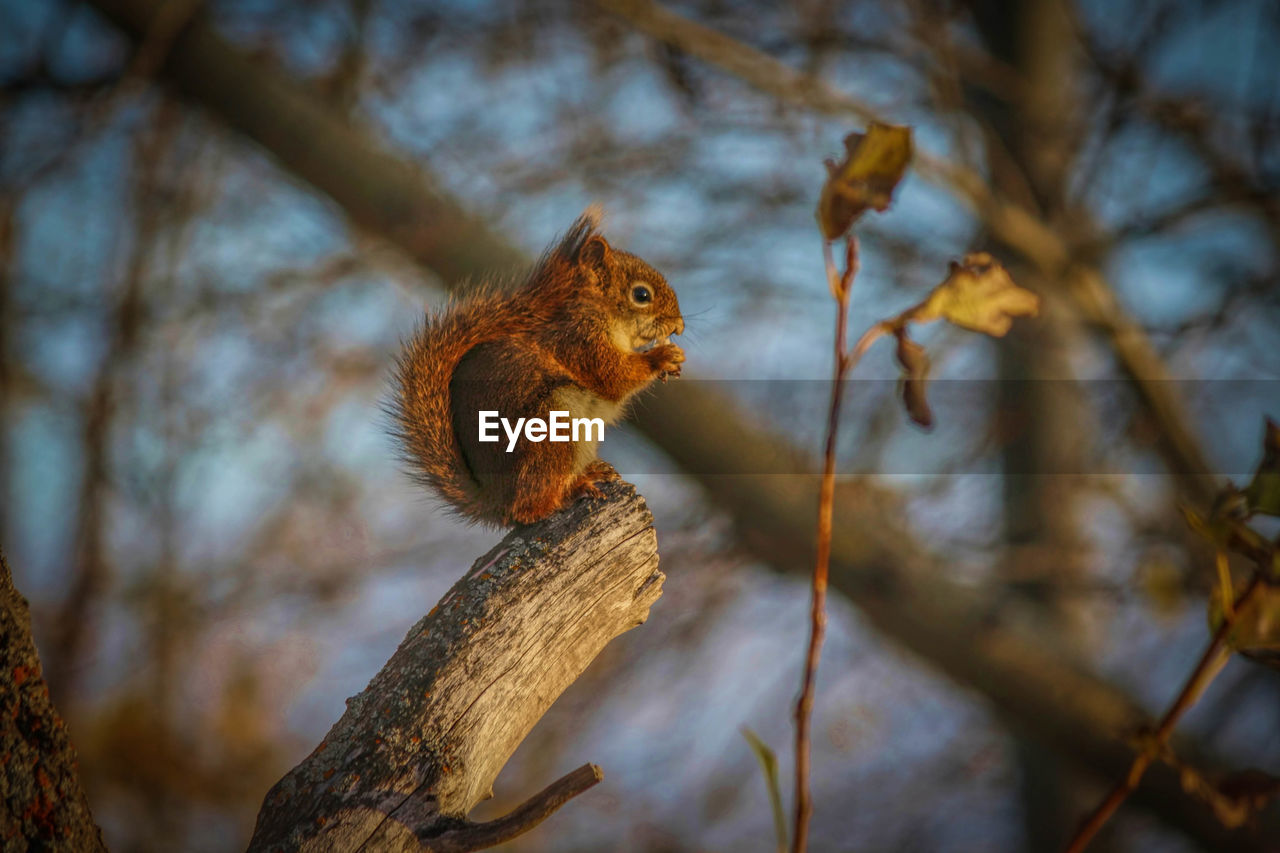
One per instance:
(530, 813)
(840, 287)
(869, 337)
(1206, 669)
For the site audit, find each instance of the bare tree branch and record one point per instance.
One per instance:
(379, 192)
(1215, 656)
(76, 616)
(423, 743)
(530, 813)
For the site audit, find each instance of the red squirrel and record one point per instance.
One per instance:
(587, 329)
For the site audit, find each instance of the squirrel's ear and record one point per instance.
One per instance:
(595, 251)
(583, 243)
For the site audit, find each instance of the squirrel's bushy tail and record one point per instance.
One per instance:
(421, 407)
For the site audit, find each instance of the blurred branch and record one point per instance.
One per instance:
(42, 804)
(755, 67)
(41, 79)
(75, 620)
(1210, 664)
(761, 71)
(905, 595)
(1008, 223)
(379, 192)
(423, 743)
(1199, 123)
(876, 560)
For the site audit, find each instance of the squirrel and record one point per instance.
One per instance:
(588, 329)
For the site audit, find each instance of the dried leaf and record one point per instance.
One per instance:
(977, 294)
(874, 163)
(1236, 798)
(1251, 783)
(915, 374)
(769, 765)
(1263, 492)
(1256, 633)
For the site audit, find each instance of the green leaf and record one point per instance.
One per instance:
(769, 765)
(874, 163)
(1263, 492)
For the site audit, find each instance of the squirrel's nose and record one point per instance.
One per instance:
(679, 330)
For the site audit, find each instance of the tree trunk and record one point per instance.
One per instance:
(423, 743)
(42, 806)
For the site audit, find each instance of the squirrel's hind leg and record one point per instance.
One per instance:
(557, 493)
(535, 507)
(542, 483)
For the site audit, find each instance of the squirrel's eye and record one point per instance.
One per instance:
(641, 294)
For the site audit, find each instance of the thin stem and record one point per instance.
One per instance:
(841, 286)
(1209, 665)
(869, 337)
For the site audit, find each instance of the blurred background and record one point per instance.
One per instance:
(217, 224)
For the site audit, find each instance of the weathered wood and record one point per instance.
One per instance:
(423, 743)
(42, 805)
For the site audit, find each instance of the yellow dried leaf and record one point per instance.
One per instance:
(1256, 633)
(979, 295)
(874, 163)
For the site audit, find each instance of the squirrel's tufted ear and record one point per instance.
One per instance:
(595, 252)
(583, 243)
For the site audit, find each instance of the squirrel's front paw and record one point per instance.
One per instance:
(666, 360)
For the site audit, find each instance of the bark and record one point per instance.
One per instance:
(42, 805)
(1046, 424)
(876, 561)
(425, 740)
